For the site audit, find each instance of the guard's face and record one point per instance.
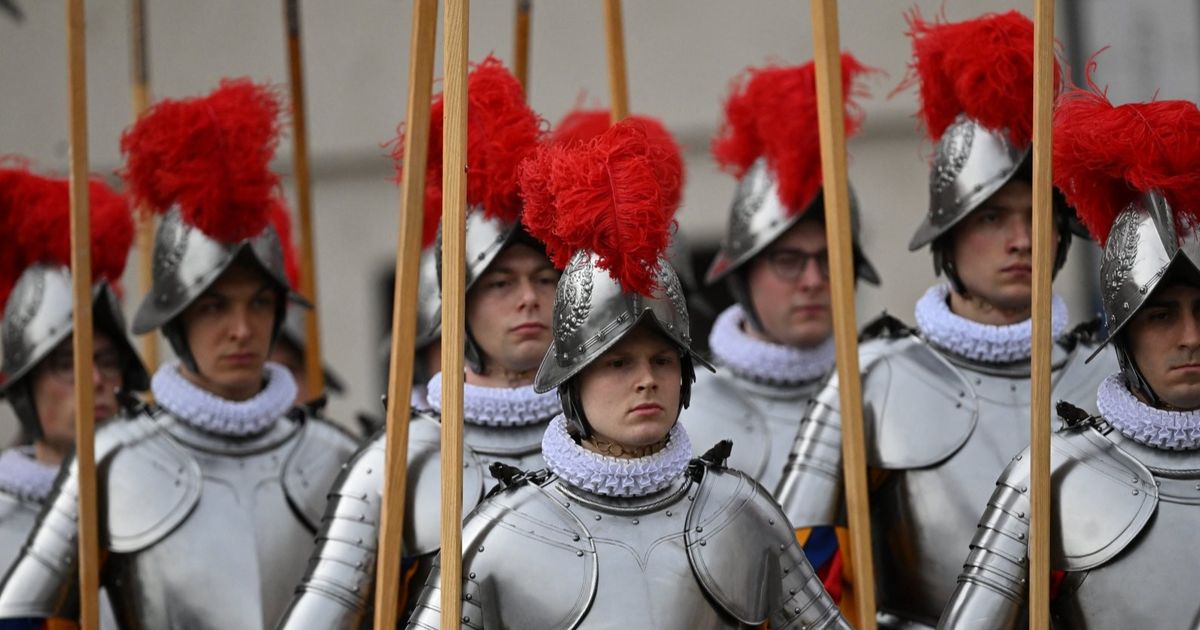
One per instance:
(510, 309)
(992, 248)
(228, 331)
(1164, 340)
(631, 393)
(53, 388)
(789, 287)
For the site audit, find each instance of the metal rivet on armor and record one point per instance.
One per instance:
(979, 381)
(1135, 480)
(358, 565)
(575, 537)
(958, 405)
(481, 256)
(770, 521)
(1125, 305)
(1012, 388)
(579, 554)
(467, 596)
(791, 591)
(179, 470)
(978, 187)
(355, 588)
(1020, 515)
(597, 517)
(1020, 536)
(1024, 489)
(1135, 492)
(1018, 458)
(787, 571)
(362, 517)
(691, 497)
(471, 575)
(360, 541)
(635, 521)
(364, 496)
(703, 542)
(699, 529)
(466, 619)
(480, 549)
(669, 511)
(796, 610)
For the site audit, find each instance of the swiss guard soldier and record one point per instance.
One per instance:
(624, 528)
(206, 497)
(38, 369)
(510, 294)
(1124, 481)
(947, 403)
(774, 347)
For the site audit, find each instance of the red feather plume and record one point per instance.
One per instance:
(1107, 156)
(210, 156)
(981, 67)
(501, 132)
(281, 220)
(582, 125)
(610, 195)
(772, 112)
(35, 226)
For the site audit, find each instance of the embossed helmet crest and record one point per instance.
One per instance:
(604, 208)
(1132, 173)
(769, 141)
(35, 280)
(975, 81)
(204, 164)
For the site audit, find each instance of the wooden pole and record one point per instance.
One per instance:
(454, 223)
(830, 116)
(140, 71)
(314, 375)
(521, 43)
(1043, 263)
(404, 317)
(618, 84)
(81, 294)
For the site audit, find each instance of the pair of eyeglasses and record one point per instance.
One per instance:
(789, 264)
(61, 365)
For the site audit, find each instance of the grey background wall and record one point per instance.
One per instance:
(681, 56)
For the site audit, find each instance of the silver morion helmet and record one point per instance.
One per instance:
(187, 262)
(38, 317)
(971, 163)
(758, 217)
(592, 313)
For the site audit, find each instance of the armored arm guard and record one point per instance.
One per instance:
(129, 453)
(336, 590)
(339, 585)
(1103, 500)
(811, 488)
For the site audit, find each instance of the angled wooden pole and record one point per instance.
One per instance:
(614, 35)
(404, 317)
(454, 223)
(81, 295)
(831, 118)
(314, 375)
(140, 88)
(1043, 264)
(521, 43)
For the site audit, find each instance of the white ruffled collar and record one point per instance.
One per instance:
(498, 406)
(980, 342)
(763, 361)
(1157, 428)
(209, 412)
(24, 476)
(613, 476)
